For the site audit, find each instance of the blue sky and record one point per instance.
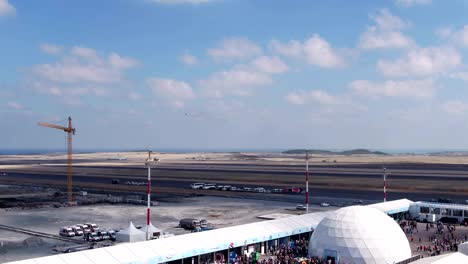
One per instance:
(234, 74)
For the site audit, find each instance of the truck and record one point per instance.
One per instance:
(189, 223)
(192, 223)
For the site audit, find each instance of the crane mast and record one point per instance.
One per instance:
(70, 130)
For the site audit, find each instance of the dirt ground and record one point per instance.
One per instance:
(220, 212)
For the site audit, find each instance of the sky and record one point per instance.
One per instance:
(234, 74)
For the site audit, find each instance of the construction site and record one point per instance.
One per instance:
(76, 202)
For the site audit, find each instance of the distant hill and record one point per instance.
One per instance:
(328, 152)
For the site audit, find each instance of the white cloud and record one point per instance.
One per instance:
(319, 52)
(296, 98)
(176, 92)
(462, 75)
(422, 62)
(242, 79)
(408, 3)
(315, 50)
(327, 102)
(460, 36)
(85, 66)
(385, 33)
(84, 52)
(292, 48)
(117, 61)
(314, 96)
(15, 105)
(455, 107)
(236, 81)
(386, 21)
(408, 89)
(51, 49)
(270, 65)
(189, 59)
(375, 39)
(444, 32)
(183, 1)
(134, 96)
(79, 72)
(234, 48)
(6, 8)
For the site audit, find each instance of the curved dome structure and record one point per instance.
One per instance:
(360, 234)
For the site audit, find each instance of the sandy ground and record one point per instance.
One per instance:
(137, 158)
(220, 212)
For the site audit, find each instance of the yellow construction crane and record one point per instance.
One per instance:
(70, 131)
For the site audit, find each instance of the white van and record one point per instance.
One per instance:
(66, 231)
(209, 187)
(197, 185)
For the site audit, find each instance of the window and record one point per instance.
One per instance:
(447, 212)
(466, 213)
(424, 210)
(436, 210)
(457, 212)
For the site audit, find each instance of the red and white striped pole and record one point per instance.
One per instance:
(148, 191)
(385, 184)
(307, 182)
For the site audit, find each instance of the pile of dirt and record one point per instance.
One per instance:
(33, 242)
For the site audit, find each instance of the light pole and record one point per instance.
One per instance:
(385, 184)
(307, 182)
(149, 163)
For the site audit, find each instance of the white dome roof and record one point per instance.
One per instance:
(360, 234)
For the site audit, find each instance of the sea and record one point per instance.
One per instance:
(224, 150)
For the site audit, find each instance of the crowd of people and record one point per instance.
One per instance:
(295, 252)
(442, 238)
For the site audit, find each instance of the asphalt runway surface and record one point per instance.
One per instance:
(318, 195)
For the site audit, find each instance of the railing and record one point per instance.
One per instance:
(406, 261)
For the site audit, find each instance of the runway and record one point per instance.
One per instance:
(318, 194)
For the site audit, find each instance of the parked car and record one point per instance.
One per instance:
(92, 237)
(115, 181)
(112, 235)
(93, 227)
(209, 187)
(300, 207)
(66, 231)
(219, 187)
(260, 190)
(277, 190)
(233, 188)
(324, 204)
(197, 185)
(86, 229)
(104, 235)
(78, 231)
(226, 187)
(246, 189)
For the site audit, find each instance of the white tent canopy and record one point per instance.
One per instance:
(130, 234)
(151, 229)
